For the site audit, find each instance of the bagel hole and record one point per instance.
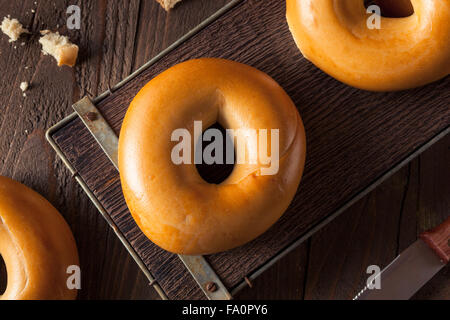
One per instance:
(393, 8)
(3, 276)
(216, 173)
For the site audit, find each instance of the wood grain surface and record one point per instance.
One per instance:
(115, 39)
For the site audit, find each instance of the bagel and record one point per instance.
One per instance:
(173, 206)
(404, 53)
(36, 244)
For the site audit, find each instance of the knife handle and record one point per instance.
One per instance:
(438, 239)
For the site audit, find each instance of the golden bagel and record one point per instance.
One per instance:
(36, 245)
(172, 204)
(404, 53)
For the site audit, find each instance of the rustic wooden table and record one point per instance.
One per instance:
(115, 39)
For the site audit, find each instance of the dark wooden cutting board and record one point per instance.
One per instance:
(354, 138)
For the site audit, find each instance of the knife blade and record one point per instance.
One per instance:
(413, 268)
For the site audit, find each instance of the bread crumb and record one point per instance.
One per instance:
(59, 47)
(12, 28)
(168, 4)
(24, 86)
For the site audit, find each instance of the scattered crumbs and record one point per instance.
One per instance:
(22, 44)
(26, 131)
(12, 28)
(168, 4)
(24, 86)
(33, 11)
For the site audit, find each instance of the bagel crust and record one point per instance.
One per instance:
(36, 244)
(403, 53)
(172, 204)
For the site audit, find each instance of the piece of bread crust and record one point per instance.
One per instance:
(168, 4)
(59, 47)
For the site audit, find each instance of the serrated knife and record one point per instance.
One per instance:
(414, 267)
